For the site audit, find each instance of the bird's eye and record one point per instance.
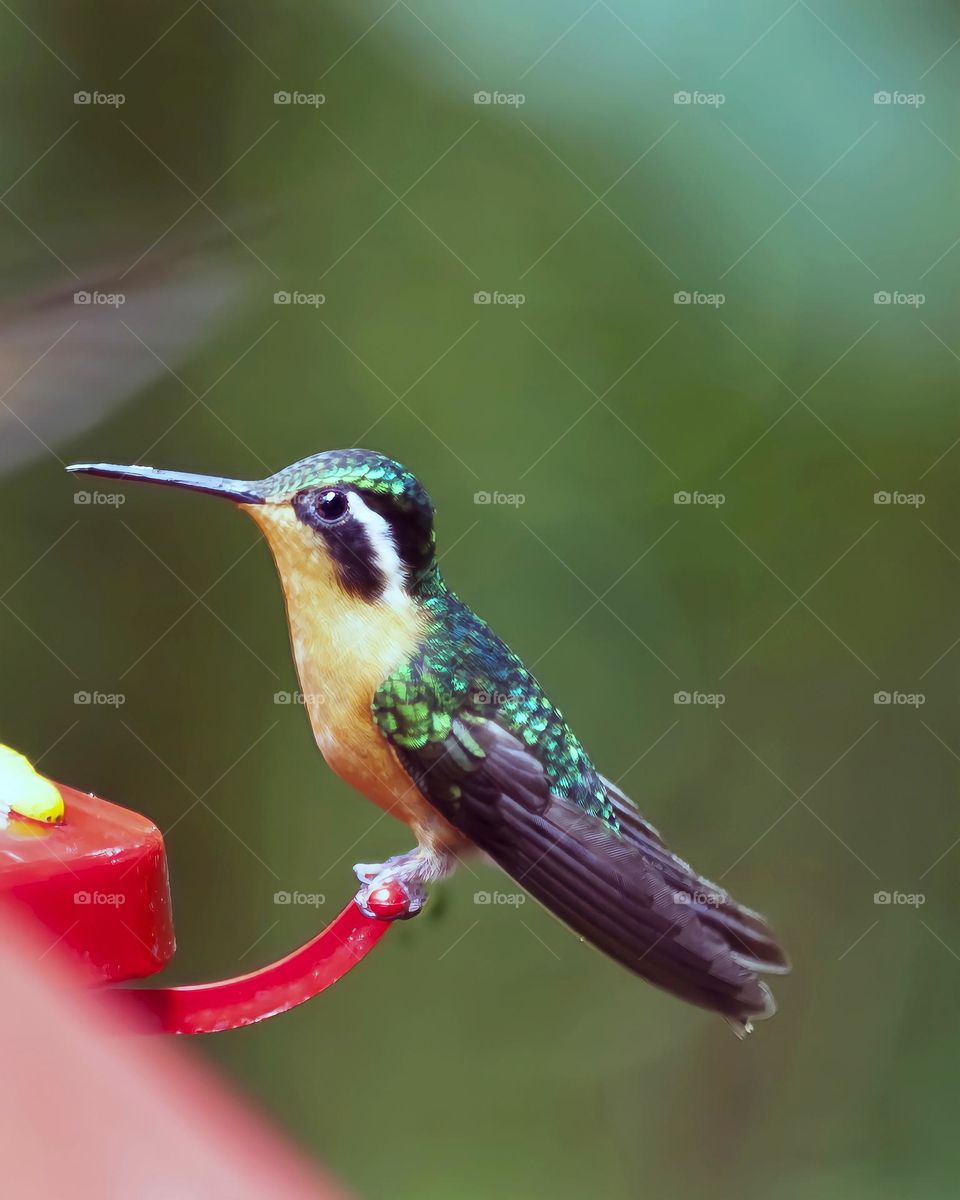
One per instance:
(331, 505)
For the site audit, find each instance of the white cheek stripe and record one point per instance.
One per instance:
(386, 556)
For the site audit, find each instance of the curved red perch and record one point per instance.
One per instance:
(98, 883)
(245, 999)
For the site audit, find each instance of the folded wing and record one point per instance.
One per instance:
(623, 891)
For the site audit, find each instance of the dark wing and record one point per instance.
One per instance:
(625, 893)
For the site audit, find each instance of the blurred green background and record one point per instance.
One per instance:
(484, 1051)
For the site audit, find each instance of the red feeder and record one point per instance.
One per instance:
(98, 882)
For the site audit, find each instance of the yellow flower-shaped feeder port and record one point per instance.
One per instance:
(26, 793)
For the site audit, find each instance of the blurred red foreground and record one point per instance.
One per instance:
(89, 1107)
(90, 1110)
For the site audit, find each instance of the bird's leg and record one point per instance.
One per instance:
(412, 871)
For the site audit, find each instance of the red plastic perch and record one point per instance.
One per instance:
(232, 1003)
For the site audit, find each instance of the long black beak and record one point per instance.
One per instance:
(242, 491)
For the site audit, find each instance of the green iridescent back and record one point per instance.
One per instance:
(464, 670)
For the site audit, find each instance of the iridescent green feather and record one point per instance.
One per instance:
(373, 472)
(464, 672)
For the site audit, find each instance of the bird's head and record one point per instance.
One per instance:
(353, 519)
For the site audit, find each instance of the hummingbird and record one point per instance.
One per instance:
(419, 705)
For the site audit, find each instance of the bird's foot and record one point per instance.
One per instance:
(396, 889)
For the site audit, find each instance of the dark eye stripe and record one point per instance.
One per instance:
(348, 545)
(353, 557)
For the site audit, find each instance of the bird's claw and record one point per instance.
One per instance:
(392, 890)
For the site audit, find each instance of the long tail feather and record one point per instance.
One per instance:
(747, 933)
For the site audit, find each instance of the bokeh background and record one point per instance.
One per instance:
(484, 1051)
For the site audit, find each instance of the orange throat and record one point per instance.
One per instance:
(344, 648)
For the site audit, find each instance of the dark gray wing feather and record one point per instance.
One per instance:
(625, 893)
